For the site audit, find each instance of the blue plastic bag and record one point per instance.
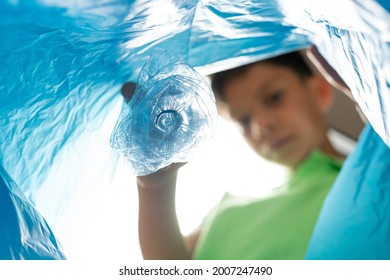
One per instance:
(63, 63)
(354, 222)
(24, 233)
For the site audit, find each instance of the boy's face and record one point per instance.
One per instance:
(280, 113)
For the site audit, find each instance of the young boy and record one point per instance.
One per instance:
(280, 106)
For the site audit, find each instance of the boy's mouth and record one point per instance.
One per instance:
(280, 143)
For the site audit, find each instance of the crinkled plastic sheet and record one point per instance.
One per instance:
(354, 222)
(63, 63)
(25, 235)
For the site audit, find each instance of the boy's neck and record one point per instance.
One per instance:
(328, 149)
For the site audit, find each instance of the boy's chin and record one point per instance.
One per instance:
(285, 159)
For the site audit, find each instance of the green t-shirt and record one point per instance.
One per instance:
(278, 226)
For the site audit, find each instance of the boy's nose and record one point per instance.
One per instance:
(262, 124)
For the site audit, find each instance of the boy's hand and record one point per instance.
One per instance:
(161, 177)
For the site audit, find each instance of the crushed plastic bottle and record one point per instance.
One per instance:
(171, 113)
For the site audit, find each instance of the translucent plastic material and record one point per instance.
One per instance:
(63, 63)
(24, 233)
(171, 113)
(354, 222)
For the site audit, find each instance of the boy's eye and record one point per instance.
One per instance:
(274, 98)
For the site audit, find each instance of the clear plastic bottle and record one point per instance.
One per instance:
(171, 113)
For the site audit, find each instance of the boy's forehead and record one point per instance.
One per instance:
(257, 79)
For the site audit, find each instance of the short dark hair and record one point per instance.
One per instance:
(292, 60)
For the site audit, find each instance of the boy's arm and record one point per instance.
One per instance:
(159, 232)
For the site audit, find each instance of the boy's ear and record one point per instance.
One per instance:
(320, 63)
(323, 93)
